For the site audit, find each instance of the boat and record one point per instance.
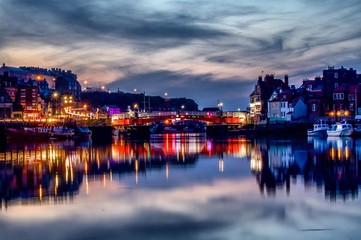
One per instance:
(82, 132)
(340, 129)
(26, 133)
(61, 132)
(319, 130)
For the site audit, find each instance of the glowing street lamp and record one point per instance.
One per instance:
(135, 106)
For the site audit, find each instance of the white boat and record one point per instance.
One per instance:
(340, 129)
(319, 130)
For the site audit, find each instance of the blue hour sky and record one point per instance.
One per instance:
(205, 50)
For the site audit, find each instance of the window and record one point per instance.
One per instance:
(341, 96)
(336, 85)
(351, 107)
(336, 75)
(335, 96)
(309, 87)
(313, 107)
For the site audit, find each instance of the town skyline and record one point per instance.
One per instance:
(195, 49)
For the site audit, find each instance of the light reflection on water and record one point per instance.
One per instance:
(181, 187)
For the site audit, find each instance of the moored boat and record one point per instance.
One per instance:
(61, 132)
(82, 132)
(340, 129)
(21, 133)
(319, 130)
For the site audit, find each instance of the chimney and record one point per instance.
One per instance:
(286, 80)
(3, 64)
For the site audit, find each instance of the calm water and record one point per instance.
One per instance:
(181, 187)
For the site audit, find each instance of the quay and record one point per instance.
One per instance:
(103, 131)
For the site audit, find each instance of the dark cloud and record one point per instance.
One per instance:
(205, 89)
(295, 38)
(84, 20)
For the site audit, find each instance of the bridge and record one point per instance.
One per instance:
(137, 124)
(145, 118)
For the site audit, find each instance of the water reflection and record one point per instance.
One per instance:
(330, 163)
(53, 172)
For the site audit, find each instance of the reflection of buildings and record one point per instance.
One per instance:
(39, 173)
(336, 168)
(331, 163)
(54, 171)
(274, 164)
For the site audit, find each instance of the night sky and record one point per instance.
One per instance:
(205, 50)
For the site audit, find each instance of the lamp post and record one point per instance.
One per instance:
(55, 97)
(144, 102)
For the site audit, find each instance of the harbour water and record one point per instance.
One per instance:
(181, 187)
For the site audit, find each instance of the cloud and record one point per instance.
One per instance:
(205, 89)
(84, 20)
(230, 41)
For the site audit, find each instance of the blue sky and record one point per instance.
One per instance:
(205, 50)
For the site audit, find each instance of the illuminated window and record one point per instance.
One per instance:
(314, 107)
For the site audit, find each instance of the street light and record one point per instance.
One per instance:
(144, 107)
(220, 105)
(55, 97)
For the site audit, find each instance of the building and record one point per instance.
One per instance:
(20, 74)
(299, 110)
(29, 99)
(6, 106)
(41, 75)
(280, 107)
(261, 94)
(10, 84)
(341, 90)
(68, 84)
(111, 109)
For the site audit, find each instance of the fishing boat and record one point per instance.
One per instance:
(319, 130)
(26, 133)
(340, 129)
(61, 132)
(82, 132)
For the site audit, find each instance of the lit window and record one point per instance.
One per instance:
(313, 107)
